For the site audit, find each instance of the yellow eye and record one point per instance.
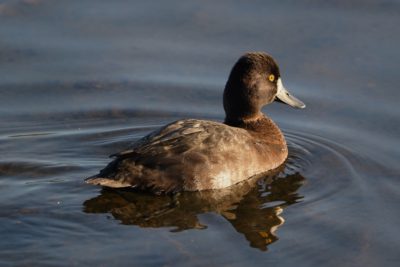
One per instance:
(271, 77)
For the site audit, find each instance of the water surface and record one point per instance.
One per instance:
(80, 80)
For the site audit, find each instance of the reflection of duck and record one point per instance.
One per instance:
(252, 207)
(193, 155)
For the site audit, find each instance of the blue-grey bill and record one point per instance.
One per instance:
(284, 96)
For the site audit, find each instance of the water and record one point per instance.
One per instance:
(80, 80)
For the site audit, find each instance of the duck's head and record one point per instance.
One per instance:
(254, 82)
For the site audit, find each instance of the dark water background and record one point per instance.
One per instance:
(80, 80)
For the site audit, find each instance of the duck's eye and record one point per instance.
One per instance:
(271, 77)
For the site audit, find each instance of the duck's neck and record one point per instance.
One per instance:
(243, 119)
(259, 125)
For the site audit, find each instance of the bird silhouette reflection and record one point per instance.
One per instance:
(252, 207)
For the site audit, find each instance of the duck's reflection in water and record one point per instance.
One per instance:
(252, 207)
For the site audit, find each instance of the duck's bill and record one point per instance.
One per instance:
(284, 96)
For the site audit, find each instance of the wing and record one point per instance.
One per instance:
(174, 157)
(171, 136)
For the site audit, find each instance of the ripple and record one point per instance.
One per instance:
(335, 172)
(35, 169)
(27, 135)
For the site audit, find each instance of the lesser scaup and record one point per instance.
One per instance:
(193, 155)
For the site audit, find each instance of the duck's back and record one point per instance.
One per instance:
(194, 155)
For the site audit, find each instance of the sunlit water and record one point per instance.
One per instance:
(82, 80)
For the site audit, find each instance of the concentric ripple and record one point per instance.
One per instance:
(308, 152)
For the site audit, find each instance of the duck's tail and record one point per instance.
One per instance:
(107, 182)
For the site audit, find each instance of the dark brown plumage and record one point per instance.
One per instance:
(194, 155)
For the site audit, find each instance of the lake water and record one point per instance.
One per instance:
(80, 80)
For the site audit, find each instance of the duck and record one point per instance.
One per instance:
(197, 155)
